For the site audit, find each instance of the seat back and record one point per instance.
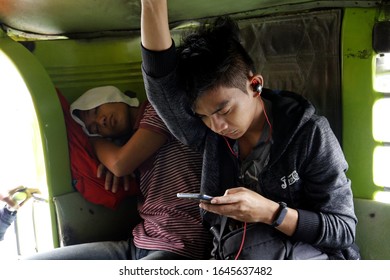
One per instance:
(373, 229)
(80, 221)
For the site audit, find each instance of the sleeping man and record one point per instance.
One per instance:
(171, 227)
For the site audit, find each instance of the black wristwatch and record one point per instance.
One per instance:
(280, 215)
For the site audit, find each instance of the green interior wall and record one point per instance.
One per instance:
(78, 65)
(358, 97)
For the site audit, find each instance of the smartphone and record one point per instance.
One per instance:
(196, 196)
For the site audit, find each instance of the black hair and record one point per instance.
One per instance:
(211, 57)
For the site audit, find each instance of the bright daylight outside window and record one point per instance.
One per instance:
(381, 131)
(382, 73)
(21, 162)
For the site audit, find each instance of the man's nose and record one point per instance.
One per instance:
(217, 124)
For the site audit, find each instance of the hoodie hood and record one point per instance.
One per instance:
(97, 96)
(290, 112)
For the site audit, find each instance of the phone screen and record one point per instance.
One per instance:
(196, 196)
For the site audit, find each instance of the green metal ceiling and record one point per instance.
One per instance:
(64, 17)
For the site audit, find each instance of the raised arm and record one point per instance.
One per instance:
(159, 61)
(155, 34)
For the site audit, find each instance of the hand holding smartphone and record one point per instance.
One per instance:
(197, 196)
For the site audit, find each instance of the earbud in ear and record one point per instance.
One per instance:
(259, 88)
(256, 86)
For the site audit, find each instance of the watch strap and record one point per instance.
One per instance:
(280, 214)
